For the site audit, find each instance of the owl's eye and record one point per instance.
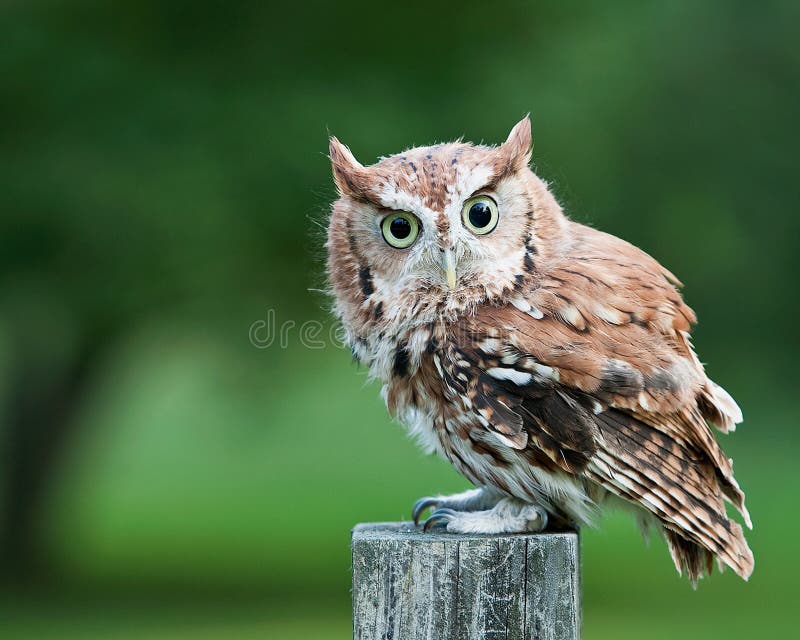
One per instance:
(480, 215)
(400, 229)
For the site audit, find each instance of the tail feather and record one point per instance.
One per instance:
(678, 485)
(690, 559)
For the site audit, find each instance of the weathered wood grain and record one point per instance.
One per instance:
(409, 585)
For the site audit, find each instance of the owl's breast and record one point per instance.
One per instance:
(440, 417)
(427, 390)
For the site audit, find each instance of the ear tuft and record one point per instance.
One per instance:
(348, 173)
(516, 150)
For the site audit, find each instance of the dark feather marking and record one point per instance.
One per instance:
(528, 263)
(621, 379)
(585, 276)
(401, 360)
(538, 458)
(635, 319)
(377, 314)
(365, 278)
(566, 422)
(661, 380)
(530, 216)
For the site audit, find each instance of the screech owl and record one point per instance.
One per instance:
(549, 362)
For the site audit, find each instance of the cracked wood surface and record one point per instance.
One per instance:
(437, 586)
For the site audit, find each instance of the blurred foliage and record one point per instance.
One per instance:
(162, 184)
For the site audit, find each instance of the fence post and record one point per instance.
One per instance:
(410, 585)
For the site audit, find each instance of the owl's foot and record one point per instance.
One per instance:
(472, 500)
(509, 515)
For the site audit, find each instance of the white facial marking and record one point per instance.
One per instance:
(469, 182)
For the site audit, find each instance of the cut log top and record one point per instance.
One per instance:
(409, 585)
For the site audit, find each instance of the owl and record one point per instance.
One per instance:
(550, 363)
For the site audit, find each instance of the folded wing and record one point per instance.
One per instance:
(594, 371)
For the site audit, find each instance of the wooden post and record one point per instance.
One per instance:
(410, 585)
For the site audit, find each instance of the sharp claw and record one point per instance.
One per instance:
(545, 518)
(420, 506)
(437, 518)
(433, 521)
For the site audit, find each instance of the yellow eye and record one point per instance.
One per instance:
(400, 229)
(480, 215)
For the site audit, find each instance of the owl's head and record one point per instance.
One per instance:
(434, 231)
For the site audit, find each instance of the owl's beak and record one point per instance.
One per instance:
(449, 266)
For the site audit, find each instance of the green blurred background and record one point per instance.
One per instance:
(162, 182)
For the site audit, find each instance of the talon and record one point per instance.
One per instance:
(420, 506)
(437, 518)
(541, 520)
(544, 517)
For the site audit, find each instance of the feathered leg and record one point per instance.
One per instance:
(509, 515)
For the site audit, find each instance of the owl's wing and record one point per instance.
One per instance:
(612, 391)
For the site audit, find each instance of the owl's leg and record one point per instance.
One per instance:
(472, 500)
(509, 515)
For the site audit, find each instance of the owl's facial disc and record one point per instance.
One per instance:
(425, 224)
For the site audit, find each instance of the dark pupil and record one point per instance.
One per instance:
(480, 215)
(400, 228)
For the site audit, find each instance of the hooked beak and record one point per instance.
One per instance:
(449, 267)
